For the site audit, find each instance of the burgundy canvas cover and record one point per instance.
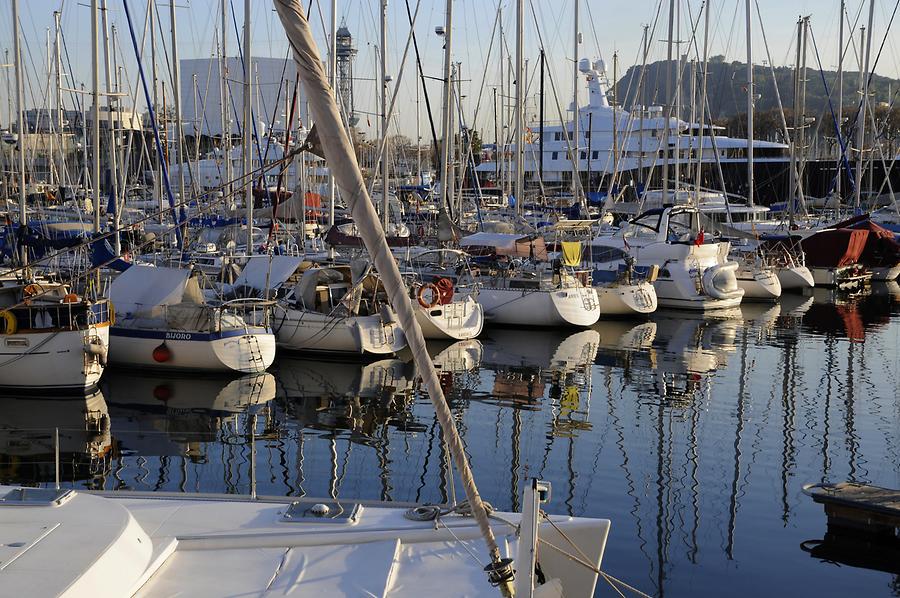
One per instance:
(882, 248)
(834, 248)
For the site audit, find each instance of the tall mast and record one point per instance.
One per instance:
(20, 115)
(641, 94)
(223, 98)
(95, 131)
(110, 125)
(176, 88)
(541, 130)
(447, 108)
(793, 174)
(519, 107)
(57, 95)
(750, 183)
(677, 110)
(385, 203)
(667, 128)
(158, 180)
(840, 101)
(51, 167)
(703, 91)
(861, 124)
(576, 158)
(248, 129)
(332, 79)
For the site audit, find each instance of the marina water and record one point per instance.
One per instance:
(693, 434)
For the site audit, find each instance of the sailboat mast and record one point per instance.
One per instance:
(95, 130)
(176, 88)
(792, 174)
(58, 97)
(861, 123)
(385, 197)
(541, 130)
(642, 94)
(20, 115)
(667, 128)
(445, 116)
(840, 101)
(519, 107)
(698, 173)
(750, 183)
(111, 130)
(576, 156)
(332, 70)
(223, 99)
(248, 129)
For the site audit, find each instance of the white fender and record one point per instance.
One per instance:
(720, 281)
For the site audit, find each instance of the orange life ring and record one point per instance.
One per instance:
(445, 288)
(436, 293)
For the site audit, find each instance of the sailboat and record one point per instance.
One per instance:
(165, 322)
(45, 327)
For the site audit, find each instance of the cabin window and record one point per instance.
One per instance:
(595, 154)
(607, 254)
(557, 136)
(583, 155)
(554, 155)
(17, 342)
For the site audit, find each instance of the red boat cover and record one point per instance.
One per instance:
(835, 247)
(882, 248)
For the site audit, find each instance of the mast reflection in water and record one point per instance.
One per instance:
(693, 434)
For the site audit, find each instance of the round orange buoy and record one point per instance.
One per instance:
(162, 353)
(162, 392)
(435, 295)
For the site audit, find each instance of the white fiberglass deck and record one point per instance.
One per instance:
(163, 545)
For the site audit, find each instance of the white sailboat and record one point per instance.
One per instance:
(531, 293)
(165, 322)
(338, 309)
(45, 327)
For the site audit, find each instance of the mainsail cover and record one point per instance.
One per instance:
(141, 288)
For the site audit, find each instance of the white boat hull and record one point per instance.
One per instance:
(669, 296)
(460, 320)
(844, 277)
(246, 351)
(53, 360)
(886, 273)
(795, 278)
(759, 285)
(576, 306)
(627, 299)
(299, 330)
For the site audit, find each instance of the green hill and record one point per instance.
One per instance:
(727, 84)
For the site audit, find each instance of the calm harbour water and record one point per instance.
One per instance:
(693, 435)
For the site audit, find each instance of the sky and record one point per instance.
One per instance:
(606, 27)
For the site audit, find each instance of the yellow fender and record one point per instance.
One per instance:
(10, 324)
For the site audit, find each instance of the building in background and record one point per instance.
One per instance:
(273, 87)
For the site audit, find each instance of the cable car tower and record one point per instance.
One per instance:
(346, 52)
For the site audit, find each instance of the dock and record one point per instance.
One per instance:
(859, 506)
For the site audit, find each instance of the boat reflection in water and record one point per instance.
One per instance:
(166, 415)
(28, 428)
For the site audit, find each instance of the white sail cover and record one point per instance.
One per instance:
(141, 288)
(263, 270)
